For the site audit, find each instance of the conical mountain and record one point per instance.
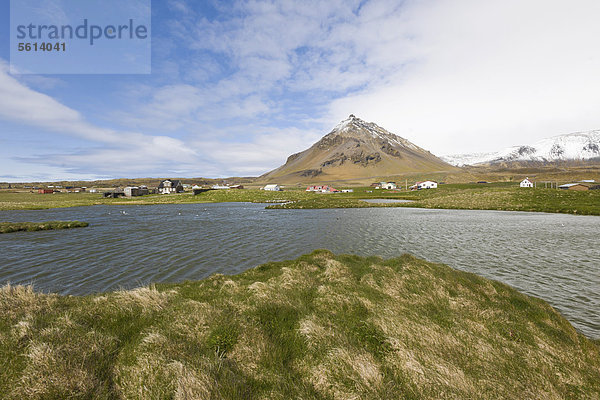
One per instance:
(356, 149)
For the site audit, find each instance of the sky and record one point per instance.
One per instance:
(237, 86)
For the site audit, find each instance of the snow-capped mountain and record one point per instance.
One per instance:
(572, 146)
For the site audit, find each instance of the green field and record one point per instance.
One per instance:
(9, 227)
(35, 201)
(319, 327)
(496, 196)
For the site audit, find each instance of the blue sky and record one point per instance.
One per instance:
(238, 86)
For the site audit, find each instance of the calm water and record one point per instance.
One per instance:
(552, 256)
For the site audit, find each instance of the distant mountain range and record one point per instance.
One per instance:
(356, 149)
(569, 147)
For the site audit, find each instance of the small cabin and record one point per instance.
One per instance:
(272, 188)
(526, 183)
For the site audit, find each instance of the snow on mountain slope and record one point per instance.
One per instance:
(572, 146)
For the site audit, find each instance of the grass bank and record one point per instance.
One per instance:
(9, 227)
(319, 327)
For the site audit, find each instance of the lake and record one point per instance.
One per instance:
(552, 256)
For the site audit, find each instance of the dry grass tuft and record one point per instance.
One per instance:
(322, 326)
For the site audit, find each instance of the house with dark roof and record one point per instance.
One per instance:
(170, 186)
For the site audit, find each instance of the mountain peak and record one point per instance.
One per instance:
(354, 127)
(356, 149)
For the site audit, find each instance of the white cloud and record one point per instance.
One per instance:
(21, 104)
(450, 75)
(120, 150)
(486, 75)
(265, 152)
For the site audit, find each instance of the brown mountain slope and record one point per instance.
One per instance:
(356, 149)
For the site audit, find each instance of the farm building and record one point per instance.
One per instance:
(388, 185)
(220, 187)
(131, 191)
(45, 191)
(118, 192)
(575, 186)
(526, 183)
(347, 190)
(424, 185)
(272, 188)
(170, 186)
(321, 189)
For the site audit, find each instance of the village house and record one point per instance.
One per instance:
(321, 189)
(424, 185)
(388, 185)
(526, 183)
(272, 188)
(170, 186)
(45, 191)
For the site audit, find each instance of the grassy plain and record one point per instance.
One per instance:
(493, 196)
(318, 327)
(498, 196)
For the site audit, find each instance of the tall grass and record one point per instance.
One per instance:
(318, 327)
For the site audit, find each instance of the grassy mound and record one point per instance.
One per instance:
(8, 227)
(319, 327)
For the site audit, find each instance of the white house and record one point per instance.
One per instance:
(425, 185)
(526, 183)
(170, 186)
(388, 185)
(272, 188)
